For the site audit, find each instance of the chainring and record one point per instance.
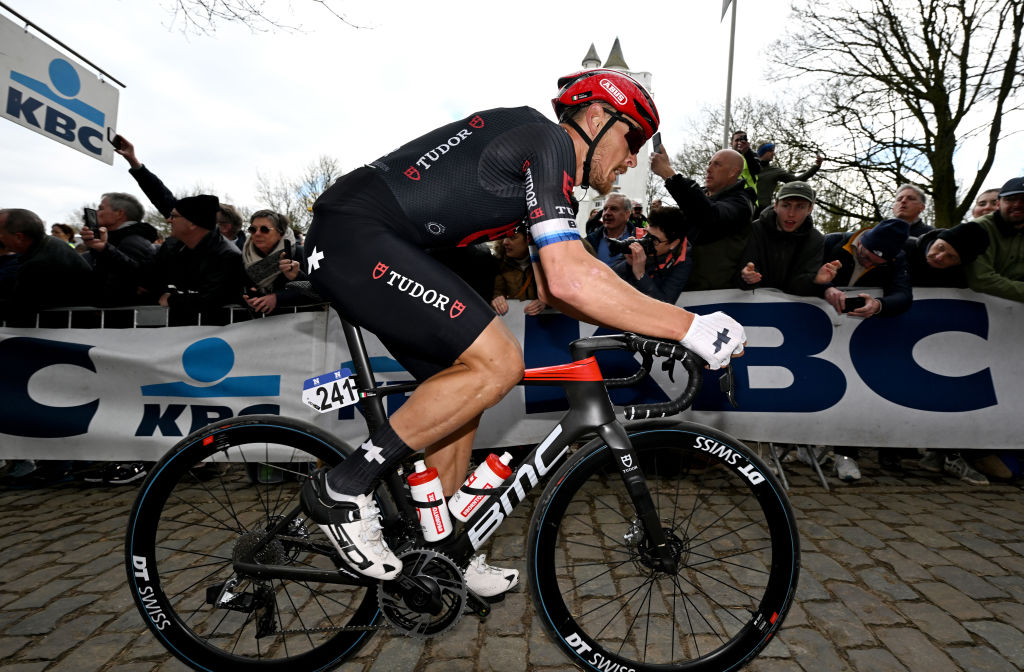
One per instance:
(415, 613)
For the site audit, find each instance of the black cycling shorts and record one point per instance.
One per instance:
(358, 259)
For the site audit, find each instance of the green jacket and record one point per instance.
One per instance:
(999, 270)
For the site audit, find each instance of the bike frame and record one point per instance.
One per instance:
(590, 411)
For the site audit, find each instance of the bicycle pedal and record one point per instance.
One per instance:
(480, 606)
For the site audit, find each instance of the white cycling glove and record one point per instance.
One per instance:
(715, 337)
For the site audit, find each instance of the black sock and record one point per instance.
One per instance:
(358, 474)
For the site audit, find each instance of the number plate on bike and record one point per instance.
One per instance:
(330, 391)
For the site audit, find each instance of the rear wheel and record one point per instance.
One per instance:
(731, 532)
(211, 501)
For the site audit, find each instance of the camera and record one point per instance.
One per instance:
(616, 246)
(854, 303)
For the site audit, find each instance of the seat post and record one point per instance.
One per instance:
(373, 406)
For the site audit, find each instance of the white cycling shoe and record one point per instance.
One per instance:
(353, 526)
(488, 581)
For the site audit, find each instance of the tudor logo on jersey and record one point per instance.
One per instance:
(379, 270)
(412, 173)
(477, 122)
(457, 308)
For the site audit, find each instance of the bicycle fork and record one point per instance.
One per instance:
(662, 556)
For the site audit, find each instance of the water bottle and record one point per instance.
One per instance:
(490, 474)
(426, 487)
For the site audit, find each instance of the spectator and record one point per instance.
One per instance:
(718, 216)
(637, 220)
(999, 271)
(8, 271)
(594, 220)
(196, 270)
(49, 274)
(663, 274)
(751, 166)
(615, 225)
(63, 232)
(229, 222)
(785, 250)
(124, 245)
(868, 258)
(938, 258)
(871, 258)
(908, 206)
(271, 261)
(770, 176)
(514, 279)
(987, 201)
(163, 199)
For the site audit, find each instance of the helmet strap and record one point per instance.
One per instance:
(591, 144)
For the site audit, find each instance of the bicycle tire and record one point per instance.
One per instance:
(184, 529)
(732, 531)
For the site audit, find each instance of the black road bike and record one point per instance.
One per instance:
(656, 545)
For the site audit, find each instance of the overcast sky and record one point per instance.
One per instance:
(219, 109)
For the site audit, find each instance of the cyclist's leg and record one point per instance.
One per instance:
(376, 278)
(450, 456)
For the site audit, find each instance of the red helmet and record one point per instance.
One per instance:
(618, 89)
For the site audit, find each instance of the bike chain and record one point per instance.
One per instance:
(340, 628)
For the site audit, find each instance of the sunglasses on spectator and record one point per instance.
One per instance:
(262, 229)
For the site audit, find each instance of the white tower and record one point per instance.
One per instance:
(634, 183)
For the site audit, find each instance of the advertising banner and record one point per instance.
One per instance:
(947, 374)
(46, 91)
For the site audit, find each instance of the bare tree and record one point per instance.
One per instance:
(202, 16)
(900, 85)
(295, 198)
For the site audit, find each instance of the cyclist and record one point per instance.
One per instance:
(472, 180)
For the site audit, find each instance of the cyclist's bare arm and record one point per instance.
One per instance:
(585, 288)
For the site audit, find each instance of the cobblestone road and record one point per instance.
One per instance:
(909, 573)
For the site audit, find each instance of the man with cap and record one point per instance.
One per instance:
(938, 258)
(770, 176)
(784, 250)
(999, 270)
(871, 258)
(197, 269)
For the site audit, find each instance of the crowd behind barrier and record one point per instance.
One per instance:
(732, 232)
(942, 378)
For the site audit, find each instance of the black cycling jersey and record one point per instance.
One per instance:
(477, 178)
(467, 182)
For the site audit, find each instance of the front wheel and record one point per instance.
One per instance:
(599, 589)
(210, 501)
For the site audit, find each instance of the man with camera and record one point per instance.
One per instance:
(119, 254)
(657, 263)
(718, 216)
(615, 226)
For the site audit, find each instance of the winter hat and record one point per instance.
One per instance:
(886, 239)
(200, 210)
(795, 190)
(765, 148)
(968, 239)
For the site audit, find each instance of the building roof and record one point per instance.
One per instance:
(591, 60)
(615, 58)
